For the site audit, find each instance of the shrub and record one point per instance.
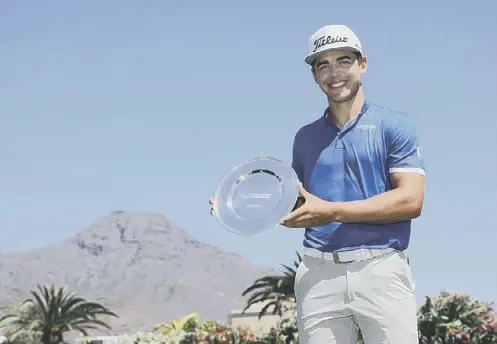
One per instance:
(189, 331)
(286, 332)
(151, 338)
(444, 319)
(456, 319)
(213, 332)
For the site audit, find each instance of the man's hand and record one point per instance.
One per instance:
(211, 202)
(314, 212)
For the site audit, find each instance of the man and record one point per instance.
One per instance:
(362, 182)
(362, 176)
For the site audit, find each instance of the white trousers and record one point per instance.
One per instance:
(376, 295)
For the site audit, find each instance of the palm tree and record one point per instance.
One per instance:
(53, 311)
(275, 290)
(23, 336)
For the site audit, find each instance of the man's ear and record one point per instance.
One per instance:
(314, 75)
(364, 64)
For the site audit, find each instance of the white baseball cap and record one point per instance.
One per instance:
(332, 37)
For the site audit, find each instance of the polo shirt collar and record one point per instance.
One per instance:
(332, 125)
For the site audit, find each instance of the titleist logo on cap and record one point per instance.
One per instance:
(324, 40)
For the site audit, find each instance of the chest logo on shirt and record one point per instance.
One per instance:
(366, 126)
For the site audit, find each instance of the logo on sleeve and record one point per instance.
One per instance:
(419, 151)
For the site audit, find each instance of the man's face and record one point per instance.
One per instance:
(338, 74)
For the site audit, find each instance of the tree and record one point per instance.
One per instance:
(25, 336)
(51, 312)
(274, 291)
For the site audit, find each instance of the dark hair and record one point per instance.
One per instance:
(357, 54)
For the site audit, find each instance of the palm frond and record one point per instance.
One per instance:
(54, 310)
(273, 290)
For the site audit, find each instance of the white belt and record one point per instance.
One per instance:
(347, 256)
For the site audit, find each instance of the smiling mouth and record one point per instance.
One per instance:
(338, 84)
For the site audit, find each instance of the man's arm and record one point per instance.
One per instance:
(402, 203)
(406, 169)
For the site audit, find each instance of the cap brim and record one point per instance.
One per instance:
(309, 59)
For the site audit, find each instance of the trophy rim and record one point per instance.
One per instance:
(263, 229)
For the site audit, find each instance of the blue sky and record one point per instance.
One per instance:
(143, 106)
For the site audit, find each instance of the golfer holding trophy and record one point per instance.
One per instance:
(355, 183)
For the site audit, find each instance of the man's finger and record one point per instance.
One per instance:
(292, 216)
(295, 224)
(301, 222)
(289, 218)
(290, 224)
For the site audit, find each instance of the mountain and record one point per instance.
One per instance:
(141, 266)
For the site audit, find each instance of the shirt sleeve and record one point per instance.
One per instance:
(404, 151)
(296, 161)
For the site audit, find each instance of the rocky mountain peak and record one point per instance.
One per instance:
(121, 230)
(141, 265)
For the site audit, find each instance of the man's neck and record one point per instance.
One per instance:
(342, 113)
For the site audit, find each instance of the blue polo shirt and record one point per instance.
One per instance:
(355, 163)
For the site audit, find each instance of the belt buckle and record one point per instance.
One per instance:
(336, 258)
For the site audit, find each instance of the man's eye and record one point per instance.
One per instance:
(323, 67)
(344, 63)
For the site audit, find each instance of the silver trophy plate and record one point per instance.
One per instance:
(255, 195)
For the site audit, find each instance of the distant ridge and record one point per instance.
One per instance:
(141, 266)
